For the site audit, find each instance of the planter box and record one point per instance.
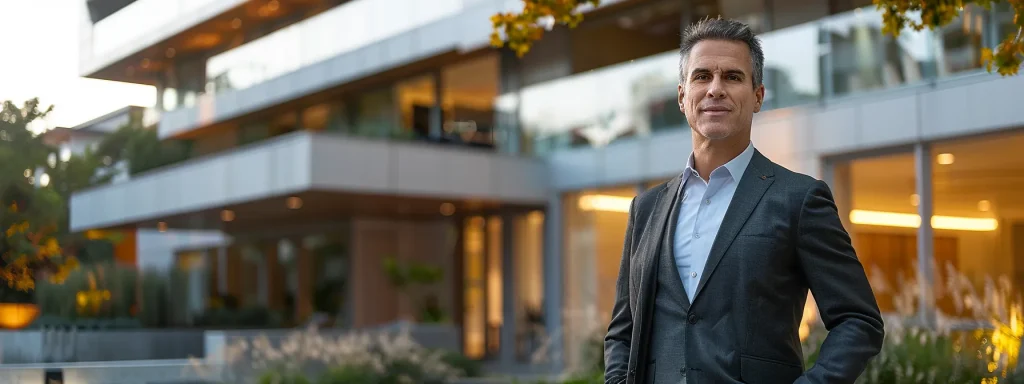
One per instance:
(44, 346)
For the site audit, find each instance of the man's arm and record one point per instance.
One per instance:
(620, 329)
(840, 287)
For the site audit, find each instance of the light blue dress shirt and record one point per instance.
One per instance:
(702, 207)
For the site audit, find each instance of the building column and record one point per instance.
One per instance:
(273, 272)
(508, 120)
(925, 235)
(303, 281)
(233, 273)
(509, 313)
(553, 281)
(437, 112)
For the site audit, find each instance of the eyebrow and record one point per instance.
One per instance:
(727, 71)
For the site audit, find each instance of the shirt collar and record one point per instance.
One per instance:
(734, 167)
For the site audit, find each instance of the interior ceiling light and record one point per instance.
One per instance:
(910, 220)
(945, 158)
(605, 203)
(293, 202)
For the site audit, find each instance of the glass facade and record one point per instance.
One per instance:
(819, 57)
(354, 24)
(595, 226)
(976, 251)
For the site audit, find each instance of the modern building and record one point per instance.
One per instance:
(328, 136)
(156, 246)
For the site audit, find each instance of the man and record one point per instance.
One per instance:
(718, 261)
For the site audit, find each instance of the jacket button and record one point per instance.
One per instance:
(692, 319)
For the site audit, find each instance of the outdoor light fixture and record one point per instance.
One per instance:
(161, 226)
(605, 203)
(447, 209)
(910, 220)
(227, 215)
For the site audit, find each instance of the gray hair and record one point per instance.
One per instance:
(722, 29)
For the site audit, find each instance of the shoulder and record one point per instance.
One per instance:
(645, 202)
(798, 186)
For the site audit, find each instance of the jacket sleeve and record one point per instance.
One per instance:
(620, 329)
(841, 290)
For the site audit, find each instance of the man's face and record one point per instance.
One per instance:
(718, 96)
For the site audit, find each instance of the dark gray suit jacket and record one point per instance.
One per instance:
(781, 236)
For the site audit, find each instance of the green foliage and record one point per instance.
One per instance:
(916, 355)
(415, 278)
(275, 377)
(415, 273)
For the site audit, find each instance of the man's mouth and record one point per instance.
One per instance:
(716, 111)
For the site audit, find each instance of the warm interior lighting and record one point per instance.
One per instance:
(984, 205)
(945, 158)
(227, 215)
(17, 315)
(293, 202)
(910, 220)
(605, 203)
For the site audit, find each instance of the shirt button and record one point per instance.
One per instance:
(707, 201)
(696, 235)
(693, 274)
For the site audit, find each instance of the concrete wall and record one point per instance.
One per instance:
(302, 161)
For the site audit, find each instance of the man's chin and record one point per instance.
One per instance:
(715, 133)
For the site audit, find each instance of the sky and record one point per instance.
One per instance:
(40, 59)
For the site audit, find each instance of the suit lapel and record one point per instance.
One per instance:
(756, 179)
(669, 270)
(651, 239)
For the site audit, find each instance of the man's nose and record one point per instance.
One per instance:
(716, 89)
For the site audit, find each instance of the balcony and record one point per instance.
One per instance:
(293, 64)
(349, 176)
(143, 41)
(830, 60)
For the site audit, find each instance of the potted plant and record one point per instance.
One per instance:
(28, 251)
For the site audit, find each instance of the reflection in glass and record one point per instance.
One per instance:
(856, 50)
(600, 106)
(961, 41)
(791, 67)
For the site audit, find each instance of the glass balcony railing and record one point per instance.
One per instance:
(832, 57)
(138, 19)
(342, 29)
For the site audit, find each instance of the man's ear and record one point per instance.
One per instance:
(759, 97)
(679, 98)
